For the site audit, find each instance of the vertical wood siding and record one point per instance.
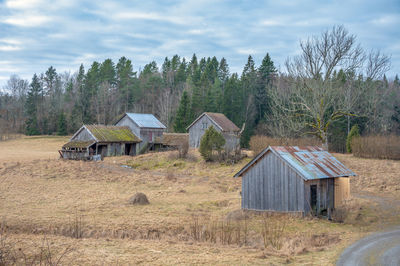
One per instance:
(196, 132)
(272, 185)
(84, 135)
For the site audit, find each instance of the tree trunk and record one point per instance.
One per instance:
(324, 137)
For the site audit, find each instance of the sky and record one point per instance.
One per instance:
(37, 34)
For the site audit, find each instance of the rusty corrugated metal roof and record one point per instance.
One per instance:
(311, 162)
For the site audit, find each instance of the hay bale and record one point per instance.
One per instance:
(139, 198)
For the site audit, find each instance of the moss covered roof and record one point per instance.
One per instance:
(112, 133)
(78, 144)
(173, 139)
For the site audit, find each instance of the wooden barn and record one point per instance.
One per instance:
(101, 140)
(221, 123)
(294, 179)
(146, 126)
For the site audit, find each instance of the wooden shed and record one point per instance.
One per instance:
(294, 179)
(221, 123)
(101, 140)
(146, 126)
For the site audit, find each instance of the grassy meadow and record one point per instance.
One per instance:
(78, 212)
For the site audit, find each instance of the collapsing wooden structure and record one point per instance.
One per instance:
(294, 179)
(146, 126)
(221, 123)
(91, 140)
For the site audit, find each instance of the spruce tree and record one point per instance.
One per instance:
(354, 132)
(62, 125)
(182, 119)
(266, 72)
(211, 140)
(32, 101)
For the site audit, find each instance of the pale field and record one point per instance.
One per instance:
(43, 196)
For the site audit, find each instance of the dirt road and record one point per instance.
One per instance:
(377, 249)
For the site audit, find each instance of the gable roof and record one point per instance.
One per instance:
(220, 120)
(101, 133)
(310, 162)
(145, 120)
(78, 144)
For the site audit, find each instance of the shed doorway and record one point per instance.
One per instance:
(313, 198)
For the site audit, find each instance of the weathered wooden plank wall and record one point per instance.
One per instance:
(196, 132)
(272, 185)
(83, 135)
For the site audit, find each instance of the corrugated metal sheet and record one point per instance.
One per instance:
(313, 162)
(310, 162)
(146, 120)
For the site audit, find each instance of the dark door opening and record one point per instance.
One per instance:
(129, 149)
(313, 198)
(102, 149)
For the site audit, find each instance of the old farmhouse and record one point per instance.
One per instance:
(101, 140)
(146, 126)
(294, 179)
(221, 123)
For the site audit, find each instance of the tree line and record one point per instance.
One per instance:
(331, 86)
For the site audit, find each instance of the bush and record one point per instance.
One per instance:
(381, 147)
(183, 149)
(259, 143)
(211, 141)
(354, 132)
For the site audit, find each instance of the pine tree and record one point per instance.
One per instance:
(182, 119)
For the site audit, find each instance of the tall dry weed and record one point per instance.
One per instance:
(273, 231)
(259, 143)
(380, 147)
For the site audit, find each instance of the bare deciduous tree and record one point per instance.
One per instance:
(315, 100)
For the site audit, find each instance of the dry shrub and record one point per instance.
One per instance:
(183, 149)
(273, 231)
(259, 143)
(304, 242)
(381, 147)
(76, 227)
(339, 214)
(349, 212)
(225, 232)
(139, 199)
(45, 254)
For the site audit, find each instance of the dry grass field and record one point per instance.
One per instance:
(79, 213)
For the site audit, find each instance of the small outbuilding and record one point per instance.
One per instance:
(146, 126)
(221, 123)
(294, 179)
(102, 140)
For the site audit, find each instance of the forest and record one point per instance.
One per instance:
(330, 86)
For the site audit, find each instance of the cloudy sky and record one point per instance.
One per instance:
(35, 34)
